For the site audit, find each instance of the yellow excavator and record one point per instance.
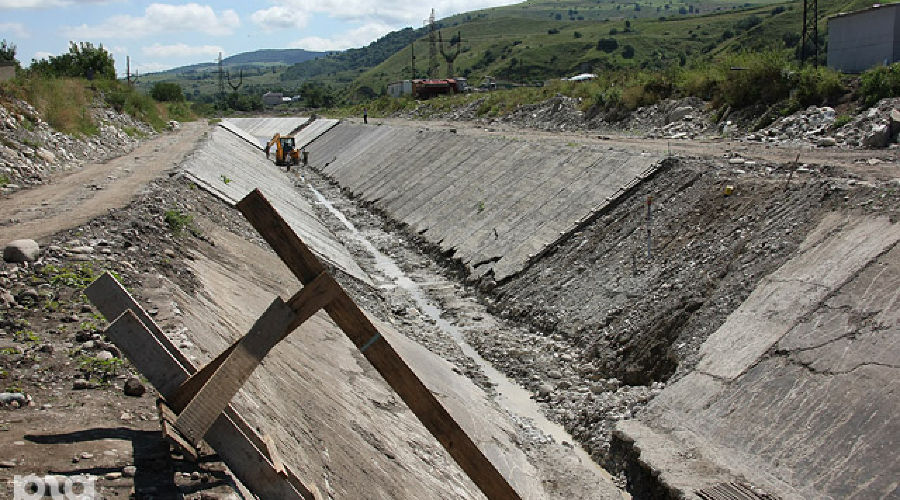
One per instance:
(286, 153)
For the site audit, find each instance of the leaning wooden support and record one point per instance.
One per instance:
(347, 315)
(236, 442)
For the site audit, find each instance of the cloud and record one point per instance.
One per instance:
(180, 50)
(278, 17)
(42, 55)
(354, 38)
(395, 13)
(44, 4)
(159, 18)
(15, 29)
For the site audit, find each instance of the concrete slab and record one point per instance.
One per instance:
(262, 129)
(332, 417)
(798, 390)
(492, 202)
(228, 167)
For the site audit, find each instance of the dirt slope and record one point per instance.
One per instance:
(75, 197)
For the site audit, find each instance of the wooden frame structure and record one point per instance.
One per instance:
(197, 403)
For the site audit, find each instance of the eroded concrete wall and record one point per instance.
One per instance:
(798, 390)
(491, 202)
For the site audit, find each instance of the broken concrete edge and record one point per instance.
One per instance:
(659, 466)
(598, 211)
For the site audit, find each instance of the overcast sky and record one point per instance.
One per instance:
(159, 36)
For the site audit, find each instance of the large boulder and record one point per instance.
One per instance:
(19, 251)
(878, 137)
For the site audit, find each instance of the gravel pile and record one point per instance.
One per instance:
(30, 150)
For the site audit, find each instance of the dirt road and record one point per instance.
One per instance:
(874, 164)
(73, 198)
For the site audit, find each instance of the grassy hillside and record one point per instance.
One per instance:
(540, 40)
(261, 70)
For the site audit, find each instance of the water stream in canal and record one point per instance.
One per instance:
(510, 395)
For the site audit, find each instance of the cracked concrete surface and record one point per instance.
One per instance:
(797, 391)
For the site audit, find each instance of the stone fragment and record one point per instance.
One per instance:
(19, 251)
(878, 137)
(134, 387)
(826, 142)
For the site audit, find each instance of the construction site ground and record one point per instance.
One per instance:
(618, 347)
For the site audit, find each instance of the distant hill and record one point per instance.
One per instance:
(284, 56)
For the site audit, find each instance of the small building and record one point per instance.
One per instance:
(865, 38)
(400, 89)
(272, 98)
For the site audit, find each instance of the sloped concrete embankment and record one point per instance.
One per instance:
(331, 415)
(491, 203)
(798, 390)
(227, 167)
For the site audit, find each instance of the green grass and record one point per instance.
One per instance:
(77, 276)
(4, 180)
(99, 370)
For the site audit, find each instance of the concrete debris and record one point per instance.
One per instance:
(19, 251)
(871, 128)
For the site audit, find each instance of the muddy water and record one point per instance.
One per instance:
(510, 396)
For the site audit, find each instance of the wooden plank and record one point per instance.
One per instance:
(237, 448)
(146, 353)
(187, 390)
(345, 313)
(216, 394)
(111, 299)
(298, 257)
(277, 463)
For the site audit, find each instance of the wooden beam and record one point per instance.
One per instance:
(216, 394)
(347, 315)
(298, 257)
(232, 438)
(111, 298)
(304, 304)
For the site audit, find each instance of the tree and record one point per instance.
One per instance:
(628, 52)
(8, 53)
(167, 91)
(608, 45)
(82, 60)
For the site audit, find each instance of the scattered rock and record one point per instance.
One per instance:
(80, 383)
(129, 471)
(13, 397)
(878, 137)
(134, 387)
(19, 251)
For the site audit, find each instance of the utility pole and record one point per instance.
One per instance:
(221, 83)
(128, 69)
(412, 50)
(432, 48)
(450, 57)
(810, 30)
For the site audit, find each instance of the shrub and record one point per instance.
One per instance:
(83, 60)
(8, 53)
(880, 82)
(628, 52)
(167, 91)
(755, 78)
(608, 45)
(816, 85)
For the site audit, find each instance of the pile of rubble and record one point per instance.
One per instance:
(557, 113)
(30, 149)
(876, 127)
(685, 118)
